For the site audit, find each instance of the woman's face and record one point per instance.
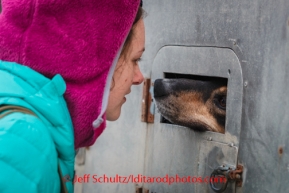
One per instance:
(127, 73)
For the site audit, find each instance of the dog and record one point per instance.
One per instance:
(199, 104)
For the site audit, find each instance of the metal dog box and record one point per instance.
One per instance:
(244, 41)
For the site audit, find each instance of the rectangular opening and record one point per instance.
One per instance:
(194, 101)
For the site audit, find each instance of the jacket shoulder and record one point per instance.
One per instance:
(28, 156)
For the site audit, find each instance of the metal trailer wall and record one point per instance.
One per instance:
(196, 32)
(246, 42)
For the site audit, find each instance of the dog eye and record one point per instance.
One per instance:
(222, 101)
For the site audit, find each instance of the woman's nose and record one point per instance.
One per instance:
(138, 77)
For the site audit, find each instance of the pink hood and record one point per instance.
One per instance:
(78, 39)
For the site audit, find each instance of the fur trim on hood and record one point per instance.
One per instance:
(80, 40)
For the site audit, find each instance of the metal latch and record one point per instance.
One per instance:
(230, 174)
(147, 100)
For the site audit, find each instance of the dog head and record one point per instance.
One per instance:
(197, 104)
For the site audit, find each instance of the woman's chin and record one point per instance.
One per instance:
(113, 116)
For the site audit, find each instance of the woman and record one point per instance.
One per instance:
(57, 59)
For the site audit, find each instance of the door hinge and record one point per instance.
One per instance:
(237, 175)
(147, 101)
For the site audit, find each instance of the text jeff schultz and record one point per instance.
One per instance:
(146, 179)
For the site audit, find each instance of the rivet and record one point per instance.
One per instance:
(246, 83)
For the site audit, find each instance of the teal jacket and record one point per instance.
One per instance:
(31, 148)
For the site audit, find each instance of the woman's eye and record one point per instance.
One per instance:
(137, 60)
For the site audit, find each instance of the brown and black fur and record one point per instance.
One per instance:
(197, 104)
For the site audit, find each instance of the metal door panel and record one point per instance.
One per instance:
(176, 150)
(167, 146)
(212, 155)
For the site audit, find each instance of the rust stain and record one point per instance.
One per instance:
(237, 175)
(280, 151)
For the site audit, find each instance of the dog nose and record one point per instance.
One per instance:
(160, 88)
